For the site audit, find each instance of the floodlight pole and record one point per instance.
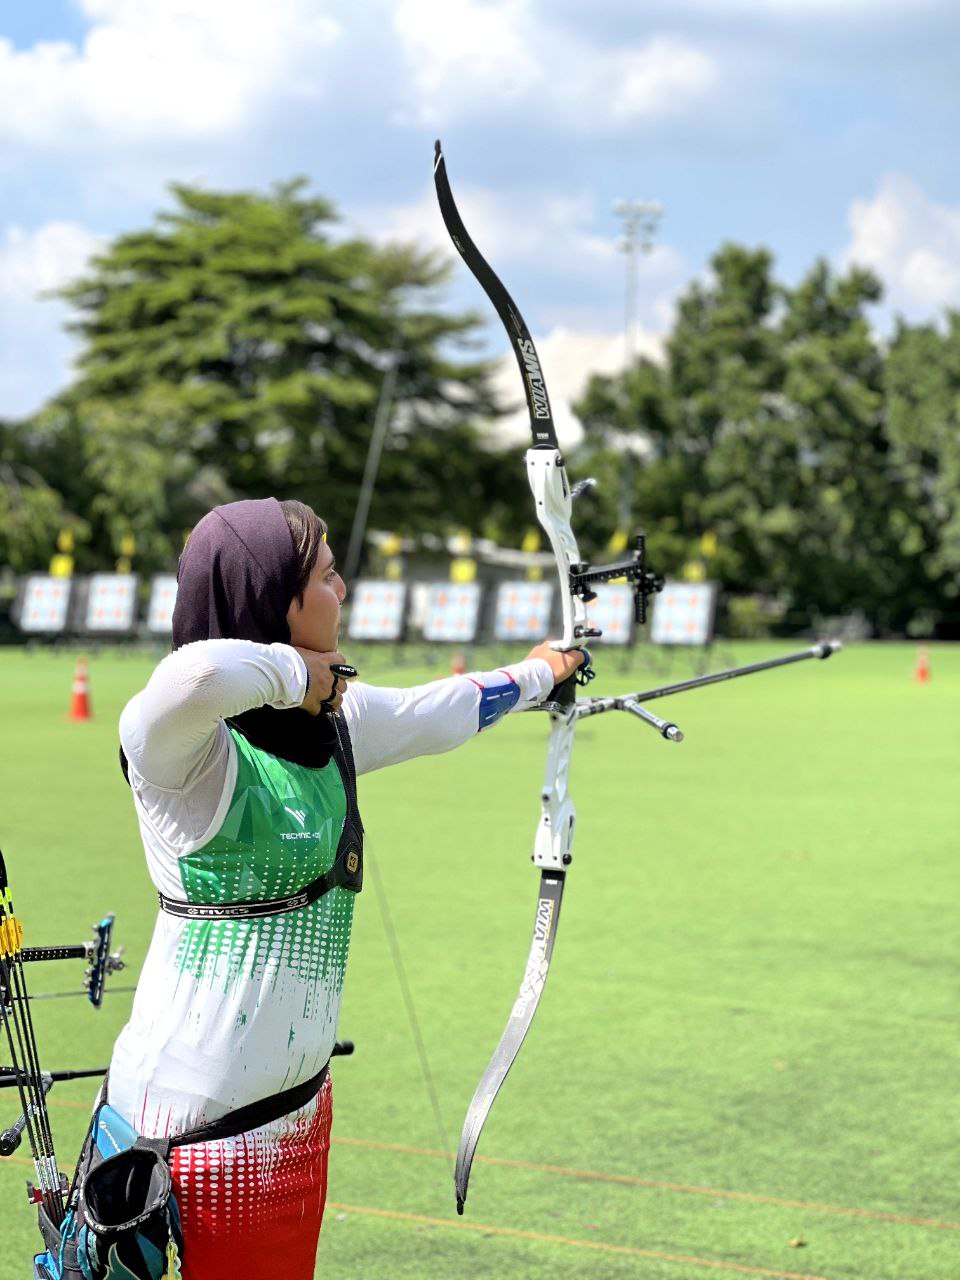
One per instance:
(381, 423)
(640, 219)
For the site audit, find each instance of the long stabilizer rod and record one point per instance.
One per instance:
(594, 706)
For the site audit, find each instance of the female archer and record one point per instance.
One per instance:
(242, 754)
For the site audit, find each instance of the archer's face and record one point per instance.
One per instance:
(315, 624)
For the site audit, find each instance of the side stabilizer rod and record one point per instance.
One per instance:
(628, 702)
(666, 728)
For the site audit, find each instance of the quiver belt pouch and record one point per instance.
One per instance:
(123, 1218)
(129, 1213)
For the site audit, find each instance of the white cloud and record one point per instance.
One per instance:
(554, 229)
(468, 58)
(35, 353)
(34, 261)
(462, 52)
(932, 277)
(661, 79)
(568, 358)
(804, 9)
(556, 233)
(911, 241)
(170, 69)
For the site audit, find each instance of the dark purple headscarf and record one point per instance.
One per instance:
(236, 580)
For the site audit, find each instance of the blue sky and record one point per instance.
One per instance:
(814, 128)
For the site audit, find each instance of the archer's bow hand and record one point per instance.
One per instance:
(562, 662)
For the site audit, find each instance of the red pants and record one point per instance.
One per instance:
(252, 1206)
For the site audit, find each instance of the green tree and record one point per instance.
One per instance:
(766, 425)
(721, 371)
(799, 486)
(32, 504)
(854, 519)
(237, 349)
(923, 398)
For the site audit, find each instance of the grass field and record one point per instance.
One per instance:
(745, 1062)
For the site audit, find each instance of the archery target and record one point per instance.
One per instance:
(523, 611)
(111, 602)
(163, 597)
(612, 612)
(683, 613)
(45, 603)
(376, 610)
(452, 612)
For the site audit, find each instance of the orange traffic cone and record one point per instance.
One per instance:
(922, 670)
(458, 666)
(80, 702)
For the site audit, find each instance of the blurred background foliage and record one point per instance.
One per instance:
(237, 348)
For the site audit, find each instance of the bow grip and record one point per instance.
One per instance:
(563, 695)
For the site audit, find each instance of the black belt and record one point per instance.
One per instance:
(254, 1114)
(345, 871)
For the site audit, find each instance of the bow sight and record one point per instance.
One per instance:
(101, 961)
(644, 582)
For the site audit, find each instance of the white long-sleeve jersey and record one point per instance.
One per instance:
(182, 1059)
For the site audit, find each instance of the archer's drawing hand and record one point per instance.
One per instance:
(325, 689)
(562, 664)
